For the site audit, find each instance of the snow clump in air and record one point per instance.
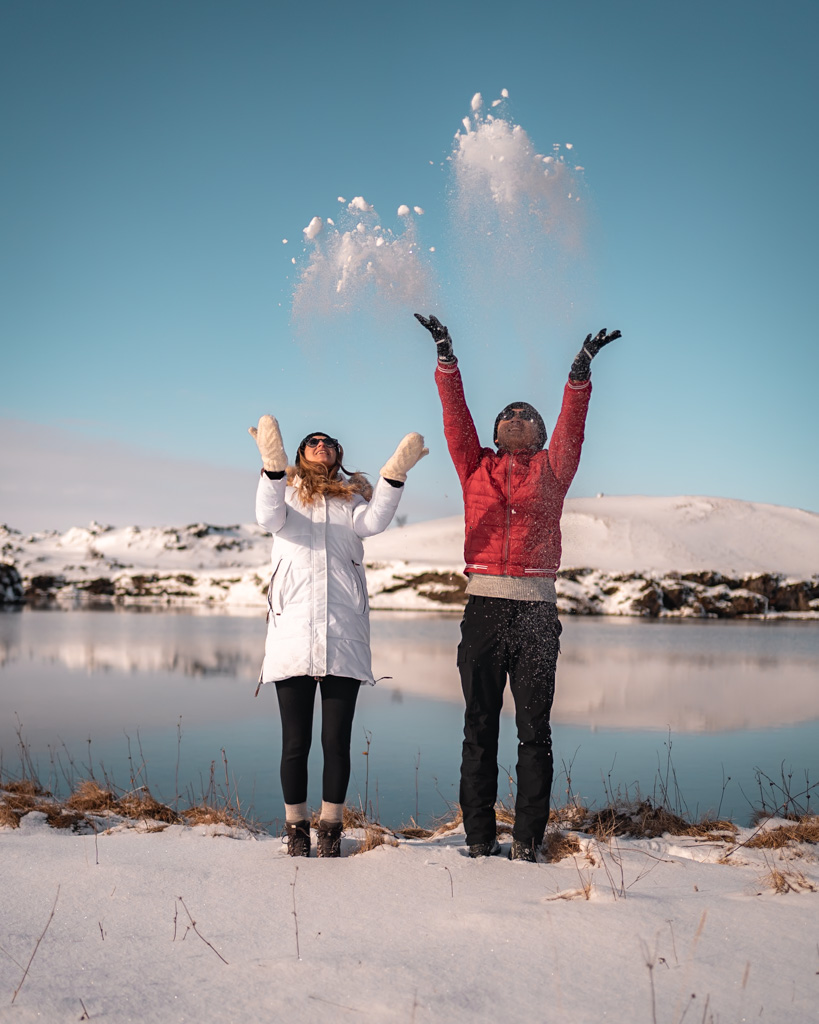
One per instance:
(313, 228)
(495, 161)
(359, 260)
(525, 201)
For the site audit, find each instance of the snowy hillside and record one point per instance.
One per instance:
(642, 534)
(621, 555)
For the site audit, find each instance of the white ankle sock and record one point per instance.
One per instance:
(332, 812)
(296, 812)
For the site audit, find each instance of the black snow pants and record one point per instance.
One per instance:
(521, 639)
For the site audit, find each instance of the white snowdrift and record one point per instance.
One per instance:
(413, 933)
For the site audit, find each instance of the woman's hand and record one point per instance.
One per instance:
(409, 451)
(268, 439)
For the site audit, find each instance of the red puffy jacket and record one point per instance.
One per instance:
(512, 500)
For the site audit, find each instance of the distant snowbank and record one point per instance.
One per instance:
(645, 534)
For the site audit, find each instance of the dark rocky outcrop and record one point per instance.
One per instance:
(443, 587)
(704, 594)
(11, 585)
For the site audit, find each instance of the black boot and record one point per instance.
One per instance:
(523, 850)
(298, 838)
(328, 836)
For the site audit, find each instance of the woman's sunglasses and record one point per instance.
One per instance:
(516, 414)
(328, 442)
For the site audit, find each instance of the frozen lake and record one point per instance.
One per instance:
(730, 697)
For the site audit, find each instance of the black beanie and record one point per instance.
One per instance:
(536, 417)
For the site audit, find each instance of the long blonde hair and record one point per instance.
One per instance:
(312, 480)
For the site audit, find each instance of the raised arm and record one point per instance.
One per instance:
(270, 506)
(459, 427)
(376, 515)
(567, 437)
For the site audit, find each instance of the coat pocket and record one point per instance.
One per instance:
(361, 587)
(274, 606)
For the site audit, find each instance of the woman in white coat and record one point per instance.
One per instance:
(318, 630)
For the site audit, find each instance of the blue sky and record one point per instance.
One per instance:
(157, 153)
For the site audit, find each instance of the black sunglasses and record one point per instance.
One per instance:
(516, 414)
(313, 442)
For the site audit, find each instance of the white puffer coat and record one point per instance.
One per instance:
(318, 620)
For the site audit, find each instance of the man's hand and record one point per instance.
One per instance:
(581, 367)
(440, 335)
(592, 345)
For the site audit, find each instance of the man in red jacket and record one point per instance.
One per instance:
(513, 499)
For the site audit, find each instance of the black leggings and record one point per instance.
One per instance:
(297, 697)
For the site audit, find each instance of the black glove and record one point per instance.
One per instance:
(440, 336)
(581, 367)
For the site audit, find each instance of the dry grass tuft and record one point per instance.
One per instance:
(556, 846)
(90, 797)
(375, 836)
(805, 830)
(23, 800)
(443, 825)
(353, 817)
(89, 801)
(644, 820)
(504, 818)
(58, 817)
(8, 817)
(205, 814)
(787, 881)
(412, 830)
(140, 804)
(571, 815)
(24, 787)
(20, 797)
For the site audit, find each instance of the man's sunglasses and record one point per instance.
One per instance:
(329, 442)
(516, 414)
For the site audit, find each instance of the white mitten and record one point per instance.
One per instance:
(409, 451)
(269, 441)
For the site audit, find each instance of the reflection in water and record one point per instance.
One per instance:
(623, 674)
(622, 684)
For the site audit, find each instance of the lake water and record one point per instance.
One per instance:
(697, 706)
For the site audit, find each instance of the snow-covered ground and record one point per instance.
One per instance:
(621, 556)
(660, 930)
(634, 931)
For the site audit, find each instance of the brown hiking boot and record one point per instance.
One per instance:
(298, 838)
(328, 837)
